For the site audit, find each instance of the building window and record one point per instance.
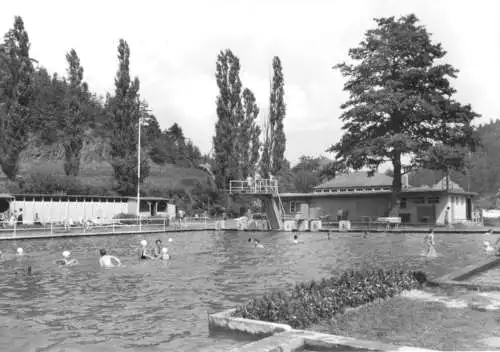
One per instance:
(293, 207)
(402, 203)
(418, 200)
(433, 200)
(342, 190)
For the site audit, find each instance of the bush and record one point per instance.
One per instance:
(309, 303)
(126, 218)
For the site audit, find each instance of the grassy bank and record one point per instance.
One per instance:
(99, 176)
(416, 323)
(309, 303)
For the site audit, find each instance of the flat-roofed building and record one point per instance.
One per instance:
(357, 195)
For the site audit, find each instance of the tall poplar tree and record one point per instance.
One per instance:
(249, 134)
(73, 124)
(401, 104)
(16, 95)
(125, 112)
(226, 147)
(273, 155)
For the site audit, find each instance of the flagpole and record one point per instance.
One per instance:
(139, 171)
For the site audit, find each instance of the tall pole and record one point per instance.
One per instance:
(139, 168)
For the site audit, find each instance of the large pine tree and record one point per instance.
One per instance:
(16, 95)
(401, 103)
(125, 111)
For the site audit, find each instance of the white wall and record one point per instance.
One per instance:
(60, 209)
(458, 208)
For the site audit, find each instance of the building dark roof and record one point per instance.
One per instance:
(408, 192)
(452, 186)
(357, 179)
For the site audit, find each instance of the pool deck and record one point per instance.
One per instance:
(38, 233)
(28, 234)
(274, 337)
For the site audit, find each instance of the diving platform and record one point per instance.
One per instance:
(267, 191)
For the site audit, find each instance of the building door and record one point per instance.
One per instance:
(468, 208)
(426, 214)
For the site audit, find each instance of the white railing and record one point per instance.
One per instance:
(264, 186)
(9, 229)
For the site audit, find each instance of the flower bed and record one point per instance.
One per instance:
(309, 303)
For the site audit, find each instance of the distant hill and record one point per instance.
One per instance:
(41, 171)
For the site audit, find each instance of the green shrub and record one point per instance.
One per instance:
(126, 218)
(311, 302)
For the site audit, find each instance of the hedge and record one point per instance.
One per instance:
(312, 302)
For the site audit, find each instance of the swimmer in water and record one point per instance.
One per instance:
(365, 234)
(249, 239)
(157, 251)
(106, 260)
(488, 248)
(66, 260)
(143, 251)
(257, 244)
(295, 239)
(20, 253)
(164, 254)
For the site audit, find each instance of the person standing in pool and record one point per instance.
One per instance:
(106, 260)
(164, 254)
(158, 249)
(429, 244)
(295, 239)
(143, 251)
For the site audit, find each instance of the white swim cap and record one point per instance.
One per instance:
(486, 243)
(170, 240)
(66, 254)
(164, 249)
(144, 243)
(19, 250)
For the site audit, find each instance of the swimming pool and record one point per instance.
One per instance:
(156, 306)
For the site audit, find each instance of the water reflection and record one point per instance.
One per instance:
(150, 306)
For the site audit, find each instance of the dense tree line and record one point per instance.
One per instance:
(62, 110)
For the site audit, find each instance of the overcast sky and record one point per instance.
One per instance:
(174, 46)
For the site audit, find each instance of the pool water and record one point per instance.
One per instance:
(163, 306)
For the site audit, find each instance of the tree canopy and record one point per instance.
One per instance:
(401, 103)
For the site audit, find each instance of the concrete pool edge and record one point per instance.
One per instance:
(29, 235)
(457, 277)
(282, 337)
